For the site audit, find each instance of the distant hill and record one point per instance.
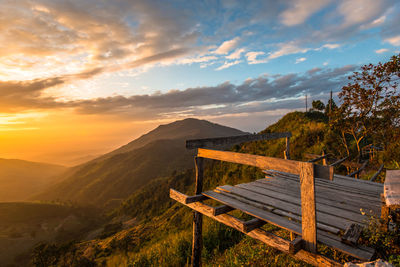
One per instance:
(23, 225)
(20, 179)
(116, 175)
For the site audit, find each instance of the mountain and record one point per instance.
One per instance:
(20, 179)
(112, 177)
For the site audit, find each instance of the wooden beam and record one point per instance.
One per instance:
(308, 215)
(263, 162)
(319, 158)
(220, 141)
(352, 234)
(287, 150)
(296, 245)
(263, 236)
(339, 161)
(187, 199)
(392, 189)
(222, 210)
(197, 216)
(359, 170)
(373, 178)
(252, 224)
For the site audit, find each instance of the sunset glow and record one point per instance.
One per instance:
(80, 78)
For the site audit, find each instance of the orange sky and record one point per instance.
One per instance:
(64, 138)
(83, 77)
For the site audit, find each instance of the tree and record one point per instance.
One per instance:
(318, 105)
(371, 104)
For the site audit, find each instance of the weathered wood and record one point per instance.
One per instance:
(252, 224)
(220, 141)
(197, 217)
(222, 210)
(287, 150)
(327, 215)
(308, 209)
(352, 234)
(364, 164)
(319, 158)
(392, 189)
(349, 179)
(296, 245)
(373, 178)
(329, 198)
(280, 243)
(339, 161)
(187, 199)
(361, 190)
(262, 162)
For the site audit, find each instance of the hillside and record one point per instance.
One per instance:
(116, 175)
(23, 225)
(20, 179)
(163, 230)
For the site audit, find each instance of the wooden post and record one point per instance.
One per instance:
(287, 151)
(324, 160)
(308, 214)
(197, 216)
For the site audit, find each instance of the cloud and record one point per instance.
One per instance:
(228, 64)
(253, 95)
(301, 59)
(227, 46)
(236, 54)
(287, 49)
(360, 11)
(395, 40)
(300, 10)
(252, 57)
(382, 50)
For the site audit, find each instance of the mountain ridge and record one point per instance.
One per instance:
(116, 175)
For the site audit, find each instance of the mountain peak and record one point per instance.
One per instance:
(188, 128)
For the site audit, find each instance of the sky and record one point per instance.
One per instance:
(81, 77)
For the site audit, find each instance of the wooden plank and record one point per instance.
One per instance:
(255, 212)
(359, 170)
(319, 158)
(361, 190)
(346, 178)
(325, 197)
(292, 226)
(197, 217)
(352, 234)
(289, 210)
(222, 210)
(308, 209)
(278, 242)
(287, 150)
(262, 162)
(220, 141)
(392, 188)
(252, 224)
(331, 216)
(296, 245)
(373, 178)
(187, 199)
(259, 234)
(339, 161)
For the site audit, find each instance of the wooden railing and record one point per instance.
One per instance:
(306, 170)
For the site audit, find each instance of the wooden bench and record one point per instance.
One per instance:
(301, 197)
(391, 195)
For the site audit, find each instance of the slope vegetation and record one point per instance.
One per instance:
(20, 179)
(113, 177)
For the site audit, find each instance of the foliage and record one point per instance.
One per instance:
(318, 105)
(371, 105)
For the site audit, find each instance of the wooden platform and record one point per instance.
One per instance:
(276, 199)
(307, 199)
